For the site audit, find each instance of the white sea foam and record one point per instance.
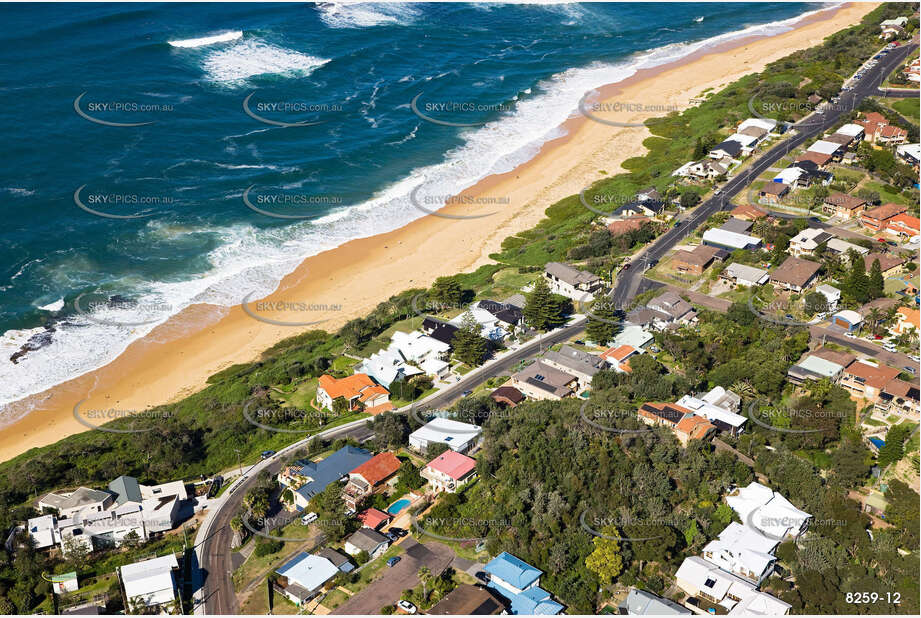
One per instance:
(365, 14)
(232, 66)
(223, 37)
(255, 260)
(55, 306)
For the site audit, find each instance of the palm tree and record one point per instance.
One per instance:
(874, 316)
(425, 575)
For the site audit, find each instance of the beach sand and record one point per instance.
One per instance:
(177, 357)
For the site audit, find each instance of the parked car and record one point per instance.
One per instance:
(267, 454)
(850, 335)
(406, 606)
(309, 518)
(393, 561)
(466, 393)
(398, 532)
(909, 369)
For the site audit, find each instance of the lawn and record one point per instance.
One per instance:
(906, 107)
(258, 604)
(886, 195)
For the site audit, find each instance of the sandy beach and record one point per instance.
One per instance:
(178, 356)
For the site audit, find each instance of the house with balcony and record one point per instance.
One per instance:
(865, 380)
(575, 284)
(309, 478)
(358, 391)
(369, 477)
(542, 381)
(449, 472)
(742, 551)
(768, 512)
(575, 362)
(519, 583)
(729, 594)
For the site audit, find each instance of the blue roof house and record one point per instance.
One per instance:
(304, 577)
(317, 476)
(519, 582)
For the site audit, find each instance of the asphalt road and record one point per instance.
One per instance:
(893, 359)
(628, 281)
(216, 594)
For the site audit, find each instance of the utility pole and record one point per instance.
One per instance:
(239, 462)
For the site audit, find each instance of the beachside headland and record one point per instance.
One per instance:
(178, 357)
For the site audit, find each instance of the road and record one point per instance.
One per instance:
(216, 595)
(893, 359)
(629, 281)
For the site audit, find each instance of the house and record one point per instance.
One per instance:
(877, 219)
(373, 518)
(725, 420)
(707, 169)
(619, 357)
(467, 600)
(790, 176)
(703, 580)
(900, 397)
(368, 540)
(151, 583)
(43, 531)
(910, 153)
(643, 603)
(692, 427)
(766, 124)
(449, 471)
(623, 226)
(64, 583)
(852, 130)
(907, 320)
(877, 130)
(576, 363)
(904, 225)
(744, 275)
(898, 21)
(675, 309)
(638, 208)
(507, 396)
(847, 319)
(832, 149)
(387, 366)
(302, 578)
(795, 274)
(842, 247)
(728, 149)
(358, 390)
(889, 263)
(460, 437)
(695, 261)
(773, 192)
(82, 499)
(723, 239)
(542, 381)
(768, 512)
(723, 398)
(742, 551)
(572, 283)
(865, 380)
(339, 561)
(818, 366)
(810, 174)
(747, 142)
(490, 327)
(808, 240)
(633, 335)
(438, 330)
(747, 212)
(738, 226)
(417, 347)
(309, 478)
(832, 295)
(818, 158)
(519, 583)
(368, 477)
(507, 315)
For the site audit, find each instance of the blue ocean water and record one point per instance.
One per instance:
(180, 74)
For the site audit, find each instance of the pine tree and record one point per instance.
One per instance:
(858, 284)
(602, 322)
(541, 310)
(876, 281)
(469, 347)
(446, 291)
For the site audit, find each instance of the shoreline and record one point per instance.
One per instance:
(176, 358)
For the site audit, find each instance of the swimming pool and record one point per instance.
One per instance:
(398, 506)
(877, 442)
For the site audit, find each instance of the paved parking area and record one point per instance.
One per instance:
(386, 589)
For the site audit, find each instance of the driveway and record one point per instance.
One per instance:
(386, 589)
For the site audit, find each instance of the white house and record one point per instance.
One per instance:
(303, 577)
(366, 539)
(700, 578)
(744, 275)
(808, 240)
(832, 295)
(571, 282)
(724, 419)
(417, 346)
(387, 366)
(490, 327)
(768, 124)
(768, 512)
(150, 583)
(842, 247)
(460, 437)
(747, 142)
(82, 499)
(742, 551)
(825, 147)
(851, 130)
(724, 239)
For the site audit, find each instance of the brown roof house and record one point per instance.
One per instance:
(748, 212)
(821, 159)
(541, 381)
(695, 261)
(877, 219)
(843, 205)
(889, 264)
(507, 395)
(773, 192)
(864, 380)
(795, 274)
(467, 600)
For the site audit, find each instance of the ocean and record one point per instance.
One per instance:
(161, 155)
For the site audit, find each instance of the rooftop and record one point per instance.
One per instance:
(795, 271)
(453, 464)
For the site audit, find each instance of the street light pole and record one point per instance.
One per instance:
(239, 463)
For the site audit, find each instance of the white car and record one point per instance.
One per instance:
(309, 518)
(406, 606)
(850, 335)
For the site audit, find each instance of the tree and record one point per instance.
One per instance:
(857, 285)
(602, 322)
(76, 552)
(893, 450)
(815, 302)
(447, 292)
(469, 347)
(606, 560)
(876, 281)
(849, 466)
(902, 511)
(689, 199)
(425, 575)
(542, 310)
(779, 254)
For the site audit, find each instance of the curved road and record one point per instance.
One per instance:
(215, 594)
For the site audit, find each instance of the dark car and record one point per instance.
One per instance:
(392, 562)
(466, 393)
(267, 454)
(625, 267)
(482, 576)
(398, 532)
